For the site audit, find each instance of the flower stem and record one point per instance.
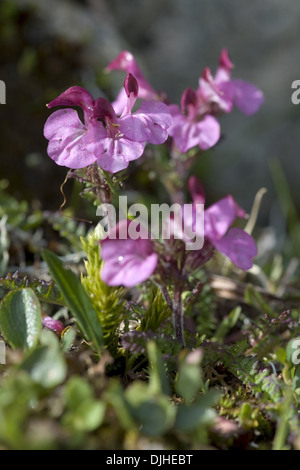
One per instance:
(178, 317)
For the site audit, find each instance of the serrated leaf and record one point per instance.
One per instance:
(157, 312)
(21, 318)
(76, 299)
(45, 291)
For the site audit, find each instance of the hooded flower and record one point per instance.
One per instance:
(233, 242)
(221, 93)
(189, 129)
(128, 255)
(126, 62)
(110, 140)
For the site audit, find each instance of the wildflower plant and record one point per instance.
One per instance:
(112, 135)
(140, 326)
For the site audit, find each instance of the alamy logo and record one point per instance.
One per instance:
(2, 352)
(295, 345)
(2, 92)
(185, 222)
(296, 94)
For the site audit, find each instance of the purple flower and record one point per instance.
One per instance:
(239, 246)
(128, 255)
(105, 138)
(220, 93)
(235, 243)
(189, 128)
(126, 62)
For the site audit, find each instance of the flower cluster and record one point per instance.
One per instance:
(129, 254)
(194, 122)
(111, 135)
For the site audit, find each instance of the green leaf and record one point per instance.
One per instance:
(157, 312)
(228, 323)
(253, 297)
(84, 412)
(21, 319)
(116, 398)
(296, 379)
(108, 301)
(46, 364)
(45, 291)
(158, 381)
(200, 413)
(189, 379)
(154, 413)
(287, 203)
(67, 338)
(76, 299)
(87, 417)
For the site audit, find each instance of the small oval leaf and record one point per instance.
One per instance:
(21, 318)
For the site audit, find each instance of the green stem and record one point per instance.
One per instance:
(178, 317)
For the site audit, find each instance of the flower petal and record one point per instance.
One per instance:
(74, 96)
(247, 97)
(117, 153)
(125, 61)
(219, 217)
(196, 189)
(157, 111)
(129, 271)
(52, 324)
(239, 246)
(187, 134)
(69, 139)
(225, 67)
(127, 261)
(148, 123)
(209, 132)
(219, 94)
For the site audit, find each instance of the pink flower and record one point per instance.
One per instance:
(239, 246)
(105, 138)
(128, 255)
(220, 93)
(190, 129)
(235, 243)
(126, 62)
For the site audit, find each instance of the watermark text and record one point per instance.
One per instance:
(2, 92)
(160, 221)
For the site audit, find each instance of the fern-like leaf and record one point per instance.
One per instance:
(107, 301)
(45, 291)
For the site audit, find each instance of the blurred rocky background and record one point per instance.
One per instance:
(47, 46)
